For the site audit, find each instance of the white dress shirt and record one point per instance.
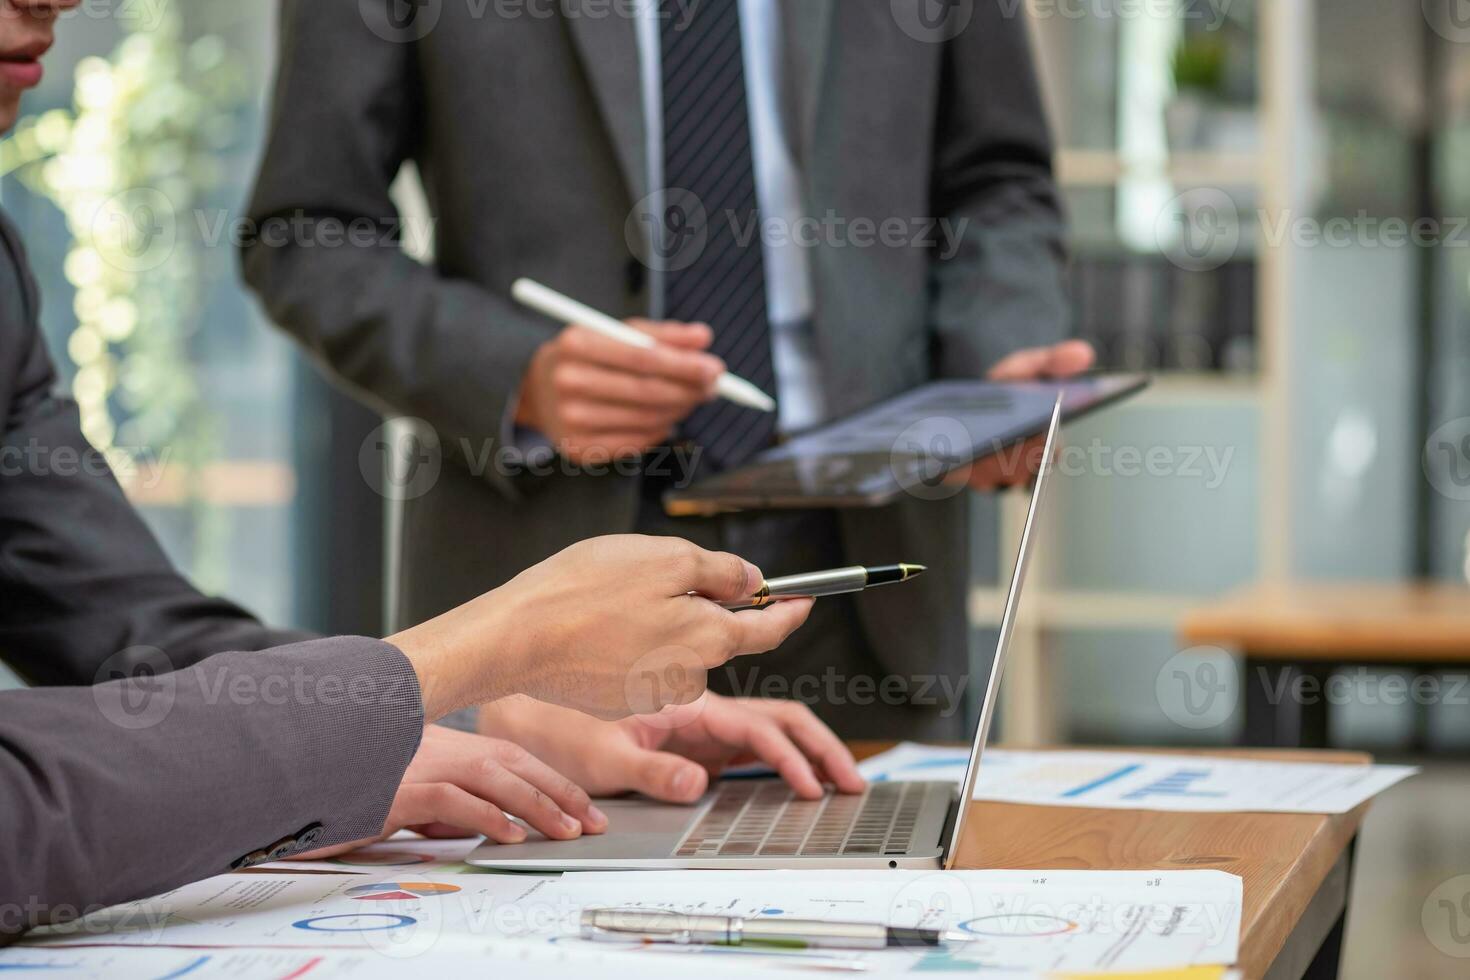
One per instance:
(778, 191)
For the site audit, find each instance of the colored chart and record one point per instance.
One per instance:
(399, 891)
(1020, 924)
(367, 922)
(927, 767)
(389, 859)
(1177, 784)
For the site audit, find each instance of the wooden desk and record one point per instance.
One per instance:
(1296, 867)
(1294, 633)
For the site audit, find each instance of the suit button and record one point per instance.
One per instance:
(637, 277)
(282, 848)
(250, 860)
(309, 835)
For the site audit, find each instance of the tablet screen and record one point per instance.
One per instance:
(903, 446)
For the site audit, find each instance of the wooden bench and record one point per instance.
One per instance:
(1295, 636)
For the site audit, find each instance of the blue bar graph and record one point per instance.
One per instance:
(1102, 780)
(1175, 784)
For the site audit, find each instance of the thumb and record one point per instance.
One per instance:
(663, 775)
(1070, 358)
(723, 577)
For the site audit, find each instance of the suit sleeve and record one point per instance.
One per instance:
(1002, 288)
(127, 789)
(183, 767)
(325, 256)
(85, 591)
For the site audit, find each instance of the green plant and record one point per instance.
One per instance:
(1199, 65)
(127, 165)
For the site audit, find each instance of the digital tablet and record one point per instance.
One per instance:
(902, 447)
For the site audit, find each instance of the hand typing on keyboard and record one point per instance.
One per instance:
(672, 757)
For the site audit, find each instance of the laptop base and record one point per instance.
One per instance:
(758, 825)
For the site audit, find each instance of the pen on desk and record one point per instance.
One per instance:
(553, 304)
(639, 925)
(837, 581)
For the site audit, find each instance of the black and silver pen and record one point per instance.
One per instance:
(645, 926)
(836, 581)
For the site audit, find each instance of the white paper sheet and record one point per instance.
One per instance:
(1143, 781)
(407, 913)
(494, 961)
(1017, 920)
(403, 853)
(1044, 921)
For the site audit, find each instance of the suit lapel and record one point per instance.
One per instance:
(806, 30)
(608, 46)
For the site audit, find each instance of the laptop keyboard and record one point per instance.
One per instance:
(765, 819)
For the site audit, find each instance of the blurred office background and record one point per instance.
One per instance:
(1205, 148)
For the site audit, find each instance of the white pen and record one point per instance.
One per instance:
(567, 310)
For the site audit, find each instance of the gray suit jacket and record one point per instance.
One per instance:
(182, 767)
(528, 134)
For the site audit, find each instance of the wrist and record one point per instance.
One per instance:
(527, 410)
(434, 688)
(463, 658)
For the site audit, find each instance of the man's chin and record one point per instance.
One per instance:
(9, 112)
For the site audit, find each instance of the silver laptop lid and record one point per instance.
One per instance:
(1007, 627)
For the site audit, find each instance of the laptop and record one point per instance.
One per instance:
(760, 824)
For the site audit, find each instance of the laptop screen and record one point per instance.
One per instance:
(1007, 627)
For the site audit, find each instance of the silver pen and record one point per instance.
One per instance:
(837, 581)
(645, 926)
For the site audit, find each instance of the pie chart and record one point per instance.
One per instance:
(399, 891)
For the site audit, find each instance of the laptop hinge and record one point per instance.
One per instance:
(951, 814)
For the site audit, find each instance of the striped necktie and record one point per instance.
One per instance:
(708, 160)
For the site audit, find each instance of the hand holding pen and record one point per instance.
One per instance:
(836, 581)
(602, 389)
